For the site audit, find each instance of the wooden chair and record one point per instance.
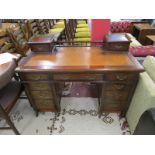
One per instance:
(19, 39)
(79, 38)
(57, 27)
(9, 93)
(32, 27)
(6, 43)
(43, 26)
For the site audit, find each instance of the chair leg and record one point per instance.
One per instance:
(7, 118)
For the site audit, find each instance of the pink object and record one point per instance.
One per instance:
(99, 28)
(142, 51)
(120, 27)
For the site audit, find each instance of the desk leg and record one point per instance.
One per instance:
(100, 87)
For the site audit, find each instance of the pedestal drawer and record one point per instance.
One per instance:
(41, 94)
(112, 106)
(45, 105)
(116, 87)
(120, 76)
(115, 96)
(39, 86)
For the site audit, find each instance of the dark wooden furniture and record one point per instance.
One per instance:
(115, 75)
(42, 43)
(6, 44)
(140, 31)
(150, 39)
(19, 39)
(117, 42)
(9, 92)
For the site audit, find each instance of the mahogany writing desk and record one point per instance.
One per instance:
(115, 75)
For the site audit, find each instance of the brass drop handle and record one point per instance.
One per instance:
(118, 86)
(118, 46)
(121, 78)
(36, 77)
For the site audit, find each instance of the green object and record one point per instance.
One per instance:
(82, 25)
(59, 25)
(82, 35)
(82, 29)
(81, 22)
(82, 39)
(144, 95)
(55, 30)
(149, 65)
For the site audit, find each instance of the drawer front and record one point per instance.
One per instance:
(119, 46)
(42, 94)
(115, 96)
(36, 77)
(116, 87)
(112, 106)
(120, 77)
(41, 47)
(39, 86)
(45, 105)
(77, 77)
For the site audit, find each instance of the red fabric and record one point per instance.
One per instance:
(142, 51)
(100, 27)
(120, 27)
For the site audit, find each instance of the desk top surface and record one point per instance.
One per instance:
(117, 37)
(79, 59)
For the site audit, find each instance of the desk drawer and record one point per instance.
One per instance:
(41, 94)
(115, 96)
(39, 86)
(77, 77)
(35, 76)
(112, 106)
(120, 76)
(45, 104)
(116, 87)
(119, 46)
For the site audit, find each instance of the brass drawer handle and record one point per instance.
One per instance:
(121, 78)
(118, 46)
(37, 77)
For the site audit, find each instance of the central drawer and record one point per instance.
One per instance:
(36, 77)
(78, 76)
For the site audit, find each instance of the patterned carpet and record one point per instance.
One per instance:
(78, 117)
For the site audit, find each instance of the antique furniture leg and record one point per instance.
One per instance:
(8, 121)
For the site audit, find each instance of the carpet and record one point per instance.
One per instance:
(78, 116)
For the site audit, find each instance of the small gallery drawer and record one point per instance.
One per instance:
(36, 76)
(115, 96)
(42, 94)
(120, 76)
(78, 76)
(41, 47)
(45, 105)
(118, 46)
(116, 87)
(39, 86)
